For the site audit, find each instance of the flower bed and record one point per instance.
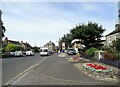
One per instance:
(96, 67)
(100, 71)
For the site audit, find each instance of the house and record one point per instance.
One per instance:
(113, 35)
(26, 46)
(50, 45)
(6, 42)
(116, 33)
(77, 44)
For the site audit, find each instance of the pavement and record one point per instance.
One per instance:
(55, 70)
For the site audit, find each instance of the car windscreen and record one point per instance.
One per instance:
(71, 50)
(43, 50)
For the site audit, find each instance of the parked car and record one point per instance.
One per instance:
(51, 52)
(24, 53)
(18, 53)
(44, 51)
(12, 54)
(71, 52)
(6, 54)
(29, 53)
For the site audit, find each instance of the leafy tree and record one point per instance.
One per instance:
(36, 49)
(18, 48)
(89, 33)
(91, 51)
(116, 44)
(11, 47)
(67, 38)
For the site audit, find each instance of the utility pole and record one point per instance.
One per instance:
(0, 29)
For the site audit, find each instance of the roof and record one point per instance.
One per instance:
(114, 32)
(76, 40)
(14, 42)
(50, 43)
(27, 44)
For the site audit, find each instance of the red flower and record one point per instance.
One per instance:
(96, 66)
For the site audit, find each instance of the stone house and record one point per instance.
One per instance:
(76, 43)
(25, 46)
(50, 45)
(113, 35)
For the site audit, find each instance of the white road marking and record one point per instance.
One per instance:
(24, 73)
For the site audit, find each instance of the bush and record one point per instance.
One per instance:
(10, 47)
(106, 48)
(91, 51)
(116, 44)
(111, 56)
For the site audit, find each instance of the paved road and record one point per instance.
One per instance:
(11, 67)
(52, 70)
(55, 70)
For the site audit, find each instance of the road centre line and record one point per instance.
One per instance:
(24, 72)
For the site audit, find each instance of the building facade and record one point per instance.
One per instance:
(25, 46)
(50, 45)
(77, 44)
(113, 35)
(116, 33)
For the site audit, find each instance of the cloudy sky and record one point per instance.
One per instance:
(39, 22)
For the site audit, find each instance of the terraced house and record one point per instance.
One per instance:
(26, 46)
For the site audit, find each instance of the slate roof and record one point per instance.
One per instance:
(50, 43)
(28, 45)
(14, 42)
(114, 32)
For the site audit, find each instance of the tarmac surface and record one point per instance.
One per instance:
(55, 70)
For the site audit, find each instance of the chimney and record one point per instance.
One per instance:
(21, 42)
(117, 26)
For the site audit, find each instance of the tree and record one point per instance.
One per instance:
(10, 47)
(36, 49)
(67, 38)
(2, 50)
(89, 33)
(18, 48)
(116, 44)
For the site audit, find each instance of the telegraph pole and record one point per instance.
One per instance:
(0, 28)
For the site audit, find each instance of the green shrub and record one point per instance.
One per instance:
(91, 51)
(106, 48)
(10, 47)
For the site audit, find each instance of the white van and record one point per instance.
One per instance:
(29, 53)
(44, 51)
(18, 53)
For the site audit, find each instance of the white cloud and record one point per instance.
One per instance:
(38, 23)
